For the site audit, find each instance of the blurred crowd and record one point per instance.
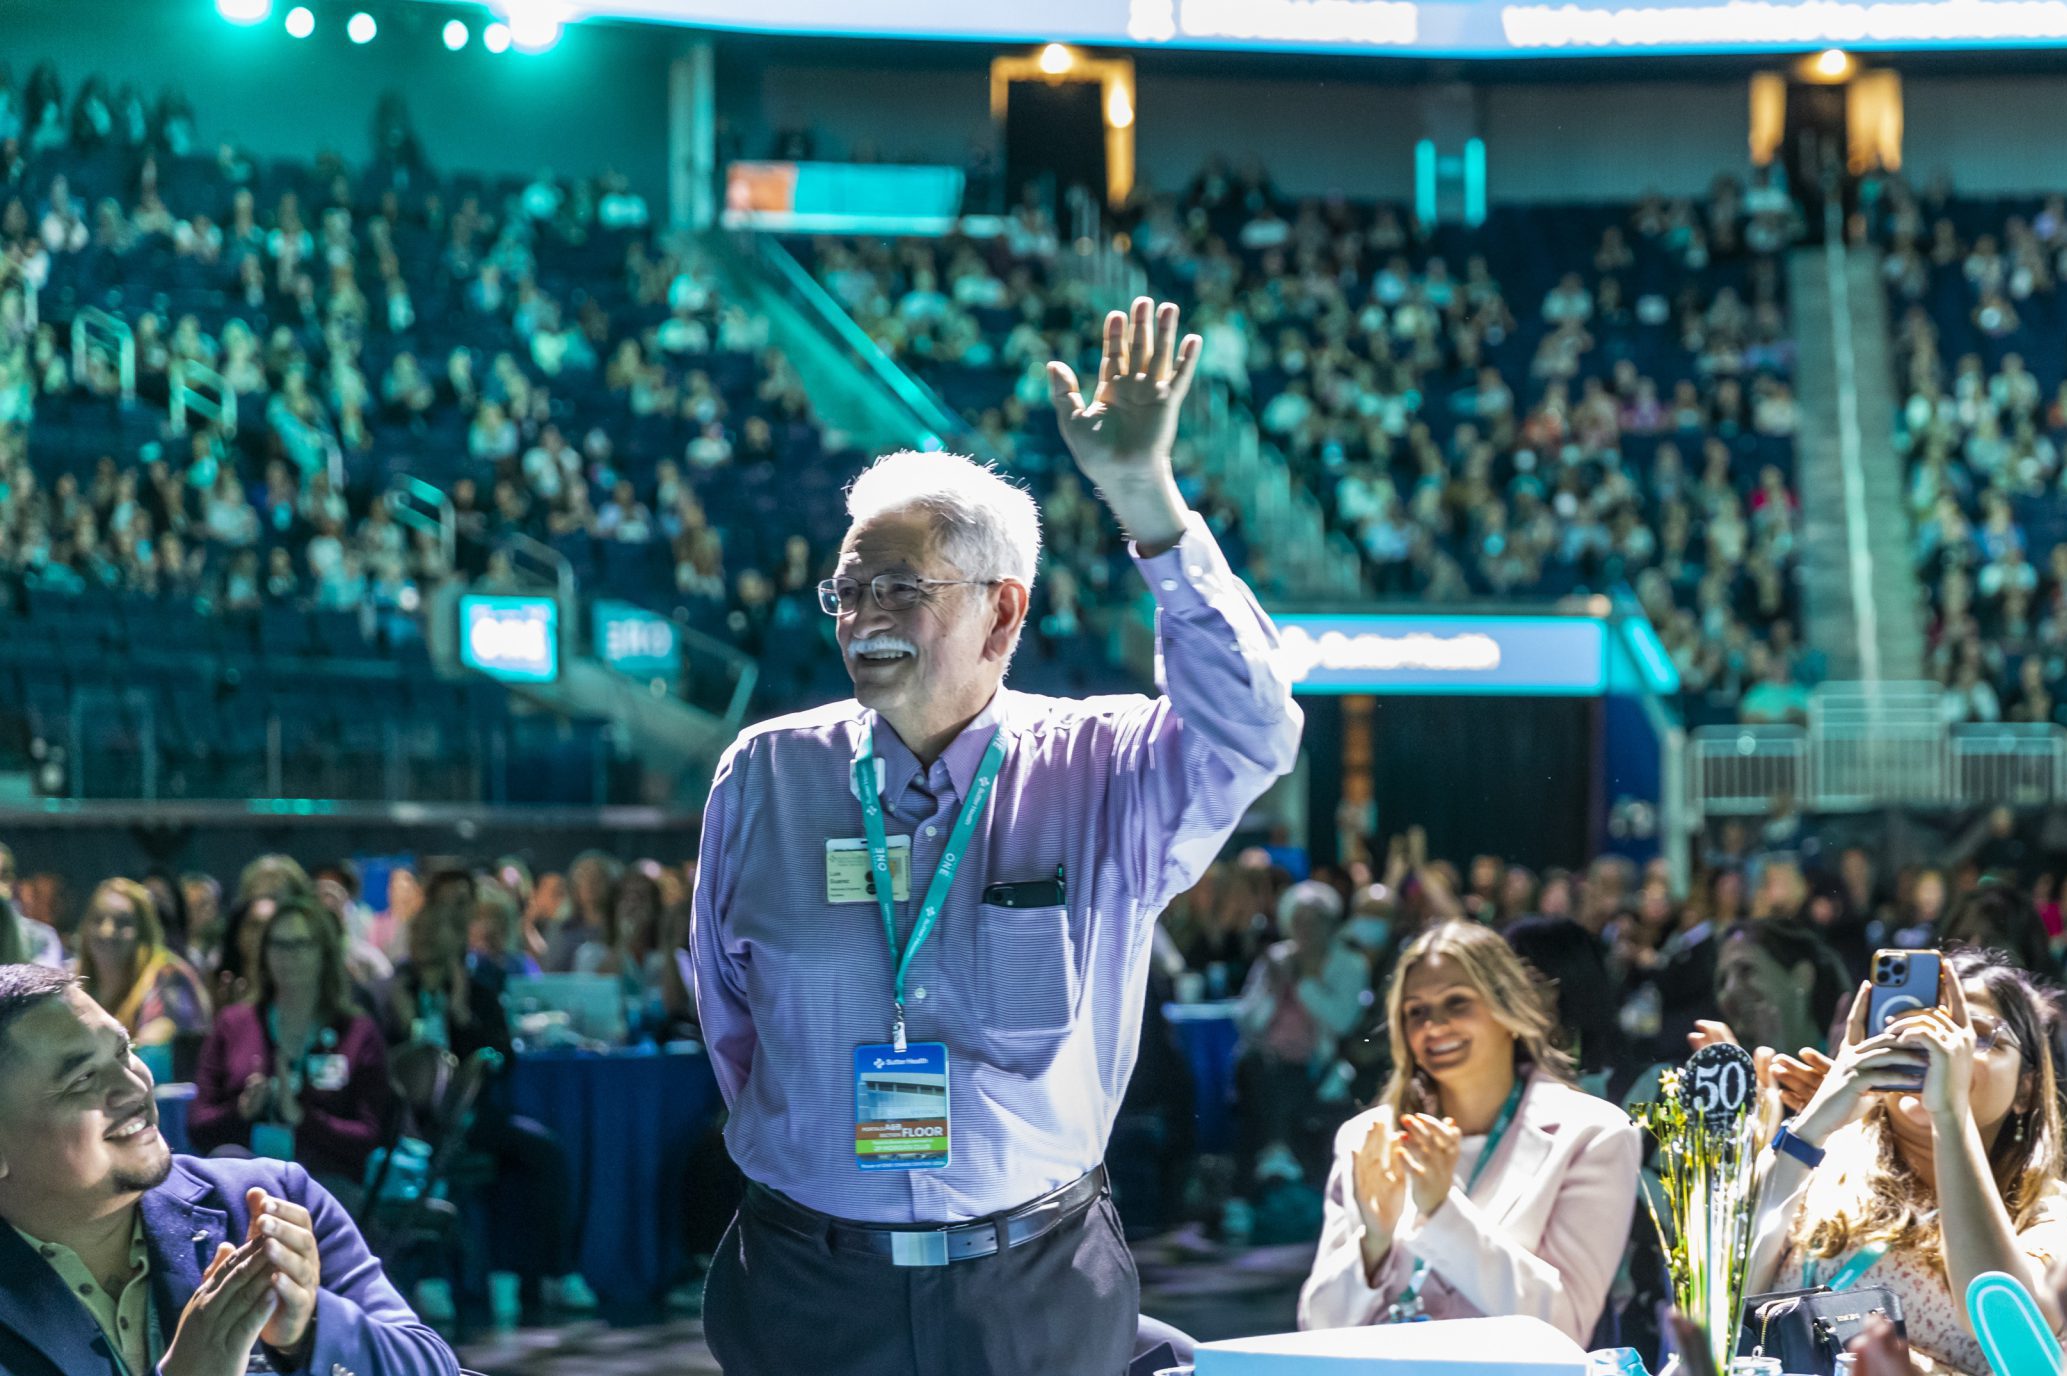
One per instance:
(1982, 390)
(388, 995)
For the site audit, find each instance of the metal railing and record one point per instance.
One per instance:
(116, 751)
(1279, 515)
(417, 505)
(716, 677)
(203, 391)
(1868, 747)
(96, 333)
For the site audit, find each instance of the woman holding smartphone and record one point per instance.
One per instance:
(1930, 1153)
(1483, 1181)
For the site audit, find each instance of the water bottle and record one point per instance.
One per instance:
(1616, 1361)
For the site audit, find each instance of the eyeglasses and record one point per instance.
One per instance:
(893, 592)
(1990, 1033)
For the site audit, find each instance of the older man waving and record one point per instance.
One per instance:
(923, 916)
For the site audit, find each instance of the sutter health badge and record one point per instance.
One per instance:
(900, 1107)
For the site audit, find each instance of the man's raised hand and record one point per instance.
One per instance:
(1122, 433)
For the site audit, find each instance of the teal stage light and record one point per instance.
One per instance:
(301, 22)
(361, 28)
(456, 34)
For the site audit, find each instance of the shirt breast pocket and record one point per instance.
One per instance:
(1028, 971)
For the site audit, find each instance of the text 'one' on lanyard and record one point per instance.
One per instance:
(943, 877)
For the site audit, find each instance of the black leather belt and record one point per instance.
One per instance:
(931, 1246)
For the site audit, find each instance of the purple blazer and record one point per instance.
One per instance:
(340, 1125)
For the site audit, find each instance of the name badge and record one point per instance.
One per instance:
(900, 1107)
(849, 878)
(329, 1073)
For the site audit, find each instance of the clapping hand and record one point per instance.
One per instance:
(252, 1099)
(1379, 1176)
(286, 1236)
(235, 1301)
(1431, 1148)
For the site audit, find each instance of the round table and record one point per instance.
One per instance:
(1210, 1038)
(629, 1120)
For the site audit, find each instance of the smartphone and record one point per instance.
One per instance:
(1904, 982)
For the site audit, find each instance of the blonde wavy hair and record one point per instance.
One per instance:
(1511, 991)
(1864, 1192)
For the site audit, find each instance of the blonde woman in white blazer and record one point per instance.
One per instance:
(1418, 1218)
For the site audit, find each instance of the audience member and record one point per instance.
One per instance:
(124, 963)
(298, 1072)
(99, 1207)
(1482, 1182)
(1929, 1154)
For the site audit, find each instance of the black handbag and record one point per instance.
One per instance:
(1807, 1329)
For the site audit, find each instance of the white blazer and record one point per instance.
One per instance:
(1541, 1234)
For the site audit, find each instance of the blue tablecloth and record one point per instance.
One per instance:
(1208, 1034)
(628, 1120)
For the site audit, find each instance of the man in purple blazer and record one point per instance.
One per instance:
(120, 1259)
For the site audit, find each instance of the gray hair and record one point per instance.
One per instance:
(1310, 896)
(989, 526)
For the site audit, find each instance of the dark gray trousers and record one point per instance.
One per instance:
(780, 1302)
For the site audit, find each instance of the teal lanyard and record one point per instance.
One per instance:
(943, 877)
(1857, 1264)
(1410, 1297)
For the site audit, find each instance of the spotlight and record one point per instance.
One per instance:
(496, 38)
(361, 28)
(300, 22)
(456, 34)
(1056, 59)
(244, 11)
(1119, 110)
(1833, 63)
(534, 24)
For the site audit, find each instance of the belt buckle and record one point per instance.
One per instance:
(918, 1249)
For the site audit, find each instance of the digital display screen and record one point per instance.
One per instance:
(635, 641)
(1484, 655)
(1441, 28)
(516, 639)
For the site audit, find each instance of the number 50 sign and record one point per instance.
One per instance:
(1717, 1083)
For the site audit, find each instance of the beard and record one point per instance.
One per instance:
(137, 1179)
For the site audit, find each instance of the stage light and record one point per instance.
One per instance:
(244, 11)
(496, 38)
(1056, 59)
(1119, 111)
(456, 34)
(1833, 63)
(534, 24)
(300, 22)
(361, 28)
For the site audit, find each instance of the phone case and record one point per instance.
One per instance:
(1916, 991)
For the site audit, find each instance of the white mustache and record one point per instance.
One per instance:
(872, 644)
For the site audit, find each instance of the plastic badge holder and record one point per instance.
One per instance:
(2012, 1331)
(1508, 1346)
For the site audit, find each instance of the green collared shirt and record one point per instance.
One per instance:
(124, 1314)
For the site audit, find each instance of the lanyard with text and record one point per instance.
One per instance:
(1408, 1305)
(943, 877)
(1858, 1263)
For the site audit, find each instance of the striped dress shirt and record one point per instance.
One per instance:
(1040, 1008)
